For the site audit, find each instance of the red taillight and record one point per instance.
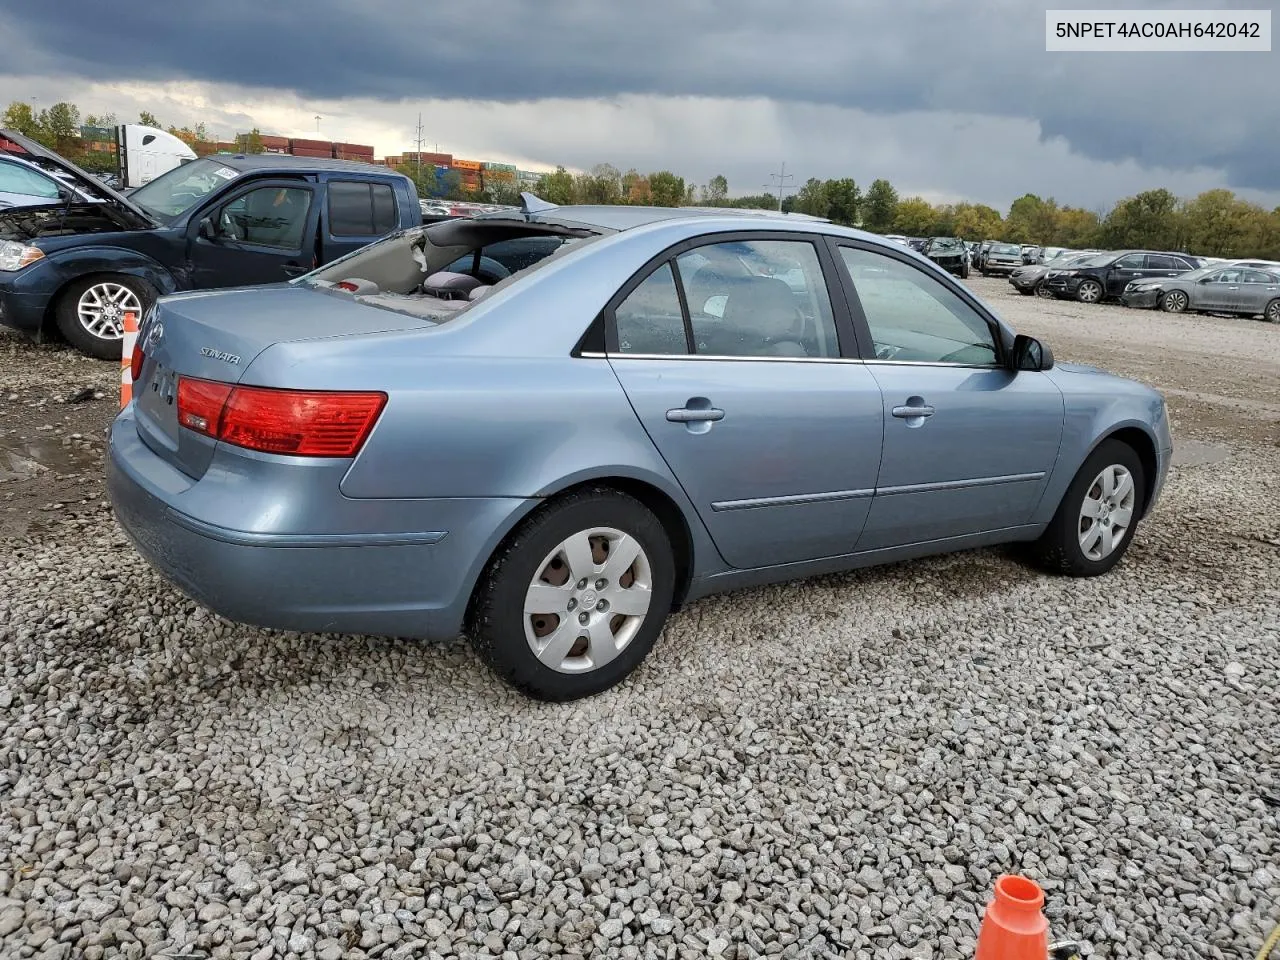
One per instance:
(200, 404)
(135, 361)
(301, 423)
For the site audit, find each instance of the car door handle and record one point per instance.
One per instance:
(685, 415)
(294, 269)
(911, 412)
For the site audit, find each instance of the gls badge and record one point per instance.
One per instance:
(219, 355)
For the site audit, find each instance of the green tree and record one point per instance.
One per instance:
(844, 201)
(756, 201)
(556, 187)
(667, 189)
(1032, 220)
(1077, 228)
(1219, 224)
(19, 116)
(880, 207)
(1150, 219)
(914, 217)
(602, 185)
(716, 192)
(976, 221)
(61, 125)
(812, 198)
(148, 119)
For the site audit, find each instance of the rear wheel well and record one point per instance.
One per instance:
(662, 507)
(1145, 448)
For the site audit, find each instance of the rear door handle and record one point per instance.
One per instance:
(685, 415)
(294, 269)
(909, 413)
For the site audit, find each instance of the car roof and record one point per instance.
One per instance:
(613, 218)
(254, 162)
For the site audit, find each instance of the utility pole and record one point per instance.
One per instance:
(782, 177)
(418, 141)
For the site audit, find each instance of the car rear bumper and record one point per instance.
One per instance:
(382, 582)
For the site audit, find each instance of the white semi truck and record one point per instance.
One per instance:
(143, 153)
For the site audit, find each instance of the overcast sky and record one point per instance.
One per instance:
(950, 99)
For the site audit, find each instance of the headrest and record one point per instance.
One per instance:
(450, 286)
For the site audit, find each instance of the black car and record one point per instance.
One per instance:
(77, 266)
(917, 243)
(1106, 275)
(950, 254)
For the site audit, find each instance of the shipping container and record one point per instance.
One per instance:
(275, 144)
(466, 164)
(297, 143)
(504, 167)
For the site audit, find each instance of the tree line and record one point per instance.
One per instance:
(1216, 223)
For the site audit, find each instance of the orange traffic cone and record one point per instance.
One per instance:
(126, 360)
(1013, 927)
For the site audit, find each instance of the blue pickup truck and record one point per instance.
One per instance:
(75, 266)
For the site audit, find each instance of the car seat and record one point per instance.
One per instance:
(761, 316)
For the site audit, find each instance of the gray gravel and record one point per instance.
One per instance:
(837, 768)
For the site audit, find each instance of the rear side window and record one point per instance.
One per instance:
(361, 209)
(650, 320)
(1158, 262)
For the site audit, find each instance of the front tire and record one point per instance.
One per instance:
(1096, 520)
(1090, 291)
(90, 313)
(574, 600)
(1044, 292)
(1175, 301)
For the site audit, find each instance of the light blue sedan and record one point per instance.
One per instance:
(649, 406)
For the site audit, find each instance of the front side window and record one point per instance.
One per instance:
(361, 209)
(1135, 261)
(914, 317)
(268, 216)
(18, 179)
(1225, 276)
(758, 298)
(649, 320)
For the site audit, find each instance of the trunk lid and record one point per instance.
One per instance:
(215, 335)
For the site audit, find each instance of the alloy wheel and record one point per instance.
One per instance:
(1175, 301)
(1089, 292)
(102, 307)
(1107, 512)
(1043, 291)
(588, 600)
(1273, 311)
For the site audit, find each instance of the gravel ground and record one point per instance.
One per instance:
(835, 768)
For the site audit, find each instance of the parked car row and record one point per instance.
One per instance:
(1149, 279)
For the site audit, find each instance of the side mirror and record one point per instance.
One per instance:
(208, 230)
(1030, 354)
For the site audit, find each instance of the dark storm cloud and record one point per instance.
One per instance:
(1180, 111)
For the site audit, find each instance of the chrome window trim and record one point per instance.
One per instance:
(720, 358)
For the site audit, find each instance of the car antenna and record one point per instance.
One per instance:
(530, 204)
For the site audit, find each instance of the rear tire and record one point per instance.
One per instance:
(582, 644)
(1093, 528)
(90, 312)
(1272, 312)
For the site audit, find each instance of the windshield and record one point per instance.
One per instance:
(174, 193)
(945, 243)
(1097, 260)
(1006, 248)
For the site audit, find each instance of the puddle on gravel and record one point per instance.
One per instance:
(30, 458)
(1198, 453)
